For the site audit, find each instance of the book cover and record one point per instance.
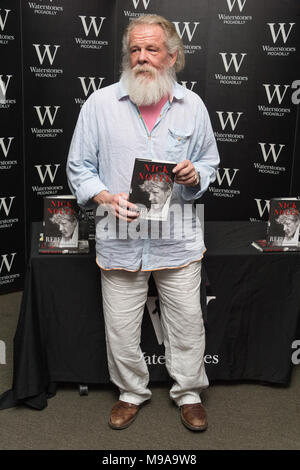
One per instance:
(65, 226)
(284, 222)
(151, 187)
(264, 246)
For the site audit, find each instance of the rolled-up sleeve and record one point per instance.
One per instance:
(205, 156)
(83, 157)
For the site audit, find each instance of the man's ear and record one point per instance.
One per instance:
(173, 58)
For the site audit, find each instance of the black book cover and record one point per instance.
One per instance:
(151, 187)
(65, 226)
(284, 222)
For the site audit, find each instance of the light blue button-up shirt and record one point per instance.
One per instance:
(109, 135)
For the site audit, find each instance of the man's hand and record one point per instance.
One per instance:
(118, 204)
(186, 174)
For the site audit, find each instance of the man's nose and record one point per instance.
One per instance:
(142, 59)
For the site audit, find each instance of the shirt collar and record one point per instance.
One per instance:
(178, 91)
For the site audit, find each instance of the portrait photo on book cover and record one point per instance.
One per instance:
(159, 194)
(290, 225)
(62, 228)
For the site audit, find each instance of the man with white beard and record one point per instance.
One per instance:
(147, 115)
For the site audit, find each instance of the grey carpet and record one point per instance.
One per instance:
(241, 416)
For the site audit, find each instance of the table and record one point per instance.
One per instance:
(252, 317)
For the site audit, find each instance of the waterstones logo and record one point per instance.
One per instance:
(5, 144)
(45, 8)
(136, 4)
(230, 121)
(89, 85)
(6, 264)
(46, 53)
(5, 207)
(270, 153)
(46, 115)
(236, 16)
(92, 26)
(279, 32)
(226, 178)
(231, 64)
(4, 38)
(189, 85)
(187, 31)
(4, 84)
(2, 352)
(46, 172)
(154, 359)
(275, 94)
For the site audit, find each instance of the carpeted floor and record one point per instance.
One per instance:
(241, 416)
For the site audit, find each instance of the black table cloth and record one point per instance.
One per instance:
(252, 317)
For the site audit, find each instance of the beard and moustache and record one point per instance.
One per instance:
(148, 88)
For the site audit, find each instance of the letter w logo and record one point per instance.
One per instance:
(3, 86)
(185, 84)
(5, 148)
(47, 52)
(226, 175)
(281, 30)
(271, 151)
(229, 119)
(47, 113)
(3, 21)
(92, 84)
(261, 209)
(6, 262)
(136, 3)
(231, 4)
(6, 207)
(275, 92)
(48, 171)
(186, 29)
(93, 23)
(233, 60)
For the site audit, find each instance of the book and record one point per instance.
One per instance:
(65, 226)
(151, 187)
(264, 246)
(284, 222)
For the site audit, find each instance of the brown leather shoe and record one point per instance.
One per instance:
(194, 417)
(122, 415)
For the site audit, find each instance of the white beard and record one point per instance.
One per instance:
(144, 91)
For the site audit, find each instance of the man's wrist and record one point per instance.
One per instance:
(104, 197)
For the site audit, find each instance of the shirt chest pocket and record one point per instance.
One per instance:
(177, 144)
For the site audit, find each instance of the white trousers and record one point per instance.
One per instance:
(124, 297)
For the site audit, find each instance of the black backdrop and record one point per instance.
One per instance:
(241, 58)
